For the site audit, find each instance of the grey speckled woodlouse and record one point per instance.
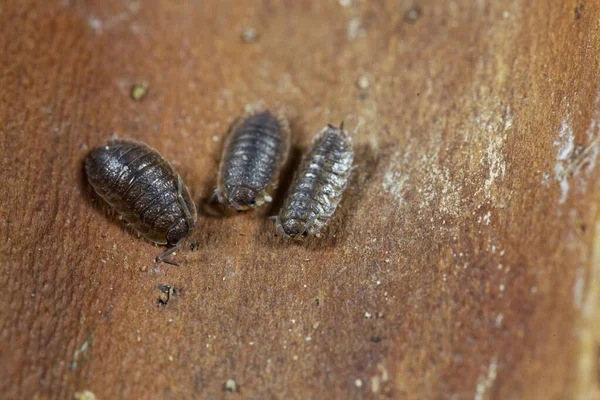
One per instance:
(318, 184)
(255, 150)
(145, 189)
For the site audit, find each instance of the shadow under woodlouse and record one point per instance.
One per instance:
(208, 206)
(366, 163)
(285, 180)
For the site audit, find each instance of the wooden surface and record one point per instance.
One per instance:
(464, 262)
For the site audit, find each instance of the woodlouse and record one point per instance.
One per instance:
(255, 150)
(145, 189)
(318, 184)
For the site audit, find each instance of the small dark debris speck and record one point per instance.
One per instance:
(578, 11)
(194, 246)
(165, 294)
(412, 15)
(376, 339)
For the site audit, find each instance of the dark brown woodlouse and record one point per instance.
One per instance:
(255, 151)
(145, 190)
(318, 184)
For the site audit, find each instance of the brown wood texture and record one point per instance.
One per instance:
(464, 262)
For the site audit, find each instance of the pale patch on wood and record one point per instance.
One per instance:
(589, 330)
(486, 380)
(565, 145)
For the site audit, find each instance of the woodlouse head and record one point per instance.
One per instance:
(292, 228)
(179, 231)
(242, 198)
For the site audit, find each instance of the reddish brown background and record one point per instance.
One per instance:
(470, 233)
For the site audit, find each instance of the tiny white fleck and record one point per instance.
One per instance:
(378, 282)
(368, 315)
(215, 138)
(487, 218)
(533, 290)
(249, 35)
(358, 383)
(95, 24)
(230, 385)
(499, 320)
(363, 82)
(501, 288)
(308, 339)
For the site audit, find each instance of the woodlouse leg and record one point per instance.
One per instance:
(216, 195)
(309, 225)
(164, 257)
(186, 210)
(278, 225)
(312, 222)
(219, 196)
(358, 125)
(237, 206)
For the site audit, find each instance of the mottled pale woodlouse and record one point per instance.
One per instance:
(145, 190)
(255, 151)
(318, 184)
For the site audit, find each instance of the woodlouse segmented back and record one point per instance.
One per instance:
(145, 189)
(255, 151)
(318, 184)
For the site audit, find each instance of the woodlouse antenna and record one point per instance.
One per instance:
(164, 257)
(358, 125)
